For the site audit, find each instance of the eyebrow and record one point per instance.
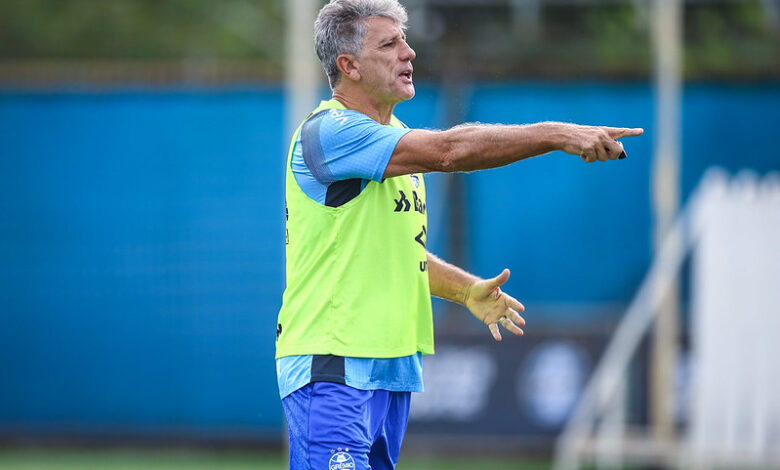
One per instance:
(392, 38)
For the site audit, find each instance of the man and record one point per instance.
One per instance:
(356, 314)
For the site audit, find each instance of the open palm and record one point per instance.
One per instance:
(492, 306)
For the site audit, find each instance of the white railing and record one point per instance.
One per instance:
(746, 431)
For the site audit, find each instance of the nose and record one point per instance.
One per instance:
(407, 52)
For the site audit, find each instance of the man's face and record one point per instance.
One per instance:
(385, 62)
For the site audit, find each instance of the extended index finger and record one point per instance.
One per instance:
(618, 132)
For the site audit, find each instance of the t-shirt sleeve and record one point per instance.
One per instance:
(352, 146)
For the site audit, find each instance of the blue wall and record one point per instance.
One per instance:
(569, 231)
(141, 261)
(141, 239)
(582, 233)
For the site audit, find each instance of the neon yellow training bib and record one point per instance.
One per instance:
(357, 276)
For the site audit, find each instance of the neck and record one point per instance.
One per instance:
(362, 102)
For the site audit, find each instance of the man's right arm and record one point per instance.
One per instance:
(477, 147)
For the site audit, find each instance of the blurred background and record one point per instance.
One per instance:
(142, 150)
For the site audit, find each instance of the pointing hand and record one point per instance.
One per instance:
(597, 143)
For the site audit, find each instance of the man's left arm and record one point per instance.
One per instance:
(483, 297)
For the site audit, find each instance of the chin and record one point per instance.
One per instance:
(407, 93)
(397, 95)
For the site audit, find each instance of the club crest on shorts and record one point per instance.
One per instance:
(341, 460)
(415, 180)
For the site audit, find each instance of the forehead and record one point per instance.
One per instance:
(379, 28)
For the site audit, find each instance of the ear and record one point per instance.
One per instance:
(349, 66)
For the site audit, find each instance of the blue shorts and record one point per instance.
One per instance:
(336, 427)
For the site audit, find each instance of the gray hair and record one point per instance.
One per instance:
(341, 27)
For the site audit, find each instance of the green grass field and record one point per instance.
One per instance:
(45, 459)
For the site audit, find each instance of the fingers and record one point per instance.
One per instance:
(511, 327)
(601, 153)
(614, 149)
(513, 303)
(504, 310)
(618, 132)
(493, 327)
(515, 317)
(609, 149)
(512, 321)
(588, 156)
(506, 323)
(599, 143)
(596, 153)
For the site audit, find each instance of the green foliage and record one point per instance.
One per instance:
(731, 40)
(568, 40)
(159, 29)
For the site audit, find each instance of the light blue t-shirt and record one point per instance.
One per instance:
(398, 374)
(337, 153)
